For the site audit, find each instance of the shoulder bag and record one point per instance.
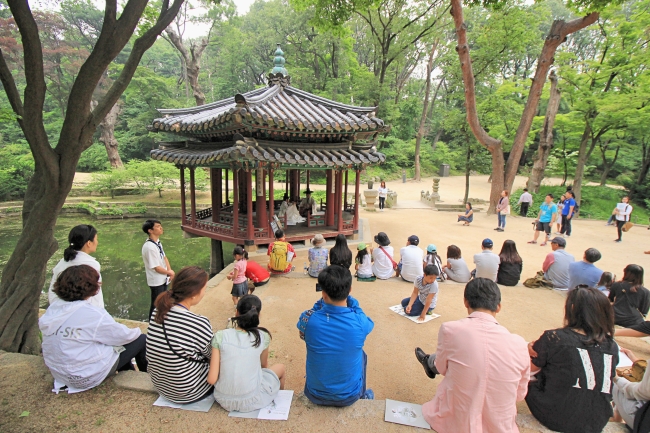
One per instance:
(199, 361)
(391, 259)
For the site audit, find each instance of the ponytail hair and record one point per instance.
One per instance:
(249, 307)
(188, 282)
(77, 238)
(239, 251)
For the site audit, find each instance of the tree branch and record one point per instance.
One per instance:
(176, 41)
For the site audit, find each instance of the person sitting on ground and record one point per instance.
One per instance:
(545, 219)
(317, 256)
(510, 265)
(306, 204)
(574, 366)
(468, 216)
(79, 338)
(629, 397)
(410, 262)
(556, 264)
(238, 275)
(340, 253)
(382, 257)
(584, 271)
(239, 369)
(82, 242)
(605, 282)
(256, 273)
(487, 263)
(425, 294)
(432, 258)
(281, 254)
(284, 205)
(363, 262)
(630, 299)
(178, 342)
(456, 269)
(334, 331)
(476, 353)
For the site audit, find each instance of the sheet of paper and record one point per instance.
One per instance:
(278, 409)
(254, 414)
(200, 406)
(409, 414)
(623, 360)
(400, 310)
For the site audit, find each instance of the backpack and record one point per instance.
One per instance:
(576, 209)
(278, 260)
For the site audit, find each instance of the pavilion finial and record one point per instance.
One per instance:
(279, 74)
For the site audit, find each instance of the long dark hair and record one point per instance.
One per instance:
(509, 253)
(340, 253)
(453, 252)
(77, 238)
(587, 309)
(249, 308)
(361, 254)
(633, 274)
(186, 283)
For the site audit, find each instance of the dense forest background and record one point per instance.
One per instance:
(398, 55)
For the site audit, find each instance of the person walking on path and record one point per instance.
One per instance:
(525, 201)
(383, 193)
(623, 213)
(156, 265)
(545, 219)
(567, 213)
(503, 209)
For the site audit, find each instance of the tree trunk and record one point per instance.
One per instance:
(645, 165)
(468, 159)
(607, 166)
(107, 135)
(422, 130)
(545, 137)
(192, 62)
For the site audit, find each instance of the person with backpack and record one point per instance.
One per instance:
(280, 253)
(623, 213)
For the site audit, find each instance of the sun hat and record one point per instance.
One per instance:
(559, 241)
(382, 239)
(487, 243)
(361, 246)
(318, 240)
(308, 191)
(413, 240)
(431, 248)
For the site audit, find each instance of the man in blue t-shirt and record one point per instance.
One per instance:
(567, 213)
(545, 219)
(335, 330)
(585, 272)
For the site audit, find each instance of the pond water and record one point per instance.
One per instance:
(126, 293)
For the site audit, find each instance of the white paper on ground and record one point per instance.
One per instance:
(200, 406)
(409, 414)
(400, 310)
(623, 360)
(278, 409)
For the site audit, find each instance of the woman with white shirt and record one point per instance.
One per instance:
(623, 212)
(383, 193)
(82, 242)
(82, 343)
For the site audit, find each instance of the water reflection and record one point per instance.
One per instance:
(126, 293)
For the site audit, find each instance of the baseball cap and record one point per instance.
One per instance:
(414, 240)
(487, 243)
(361, 246)
(431, 248)
(558, 240)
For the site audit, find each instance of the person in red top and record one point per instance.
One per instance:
(256, 273)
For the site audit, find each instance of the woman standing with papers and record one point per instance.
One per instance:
(623, 213)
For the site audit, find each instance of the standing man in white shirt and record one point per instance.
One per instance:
(410, 262)
(525, 201)
(622, 212)
(156, 265)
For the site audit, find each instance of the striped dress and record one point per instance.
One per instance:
(173, 375)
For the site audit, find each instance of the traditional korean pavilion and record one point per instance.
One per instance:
(245, 140)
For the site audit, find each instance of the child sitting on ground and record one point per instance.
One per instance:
(432, 258)
(239, 364)
(606, 281)
(425, 294)
(280, 253)
(363, 263)
(238, 275)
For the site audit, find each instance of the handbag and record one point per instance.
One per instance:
(627, 226)
(391, 259)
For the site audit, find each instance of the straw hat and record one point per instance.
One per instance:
(318, 240)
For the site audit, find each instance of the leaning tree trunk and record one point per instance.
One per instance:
(422, 130)
(107, 135)
(545, 137)
(192, 60)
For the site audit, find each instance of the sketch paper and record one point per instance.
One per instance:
(400, 310)
(278, 410)
(200, 406)
(623, 360)
(409, 414)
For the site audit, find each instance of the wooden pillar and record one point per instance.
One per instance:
(235, 203)
(260, 199)
(355, 221)
(345, 195)
(183, 210)
(216, 256)
(249, 205)
(329, 198)
(227, 194)
(307, 179)
(271, 198)
(339, 201)
(286, 183)
(244, 193)
(192, 197)
(216, 193)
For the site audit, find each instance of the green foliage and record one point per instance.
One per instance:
(93, 159)
(151, 175)
(108, 181)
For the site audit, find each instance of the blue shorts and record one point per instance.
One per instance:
(239, 289)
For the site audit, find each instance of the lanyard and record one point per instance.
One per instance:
(160, 248)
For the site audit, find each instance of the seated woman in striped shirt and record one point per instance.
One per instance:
(178, 341)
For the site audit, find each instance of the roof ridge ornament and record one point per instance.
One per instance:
(279, 75)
